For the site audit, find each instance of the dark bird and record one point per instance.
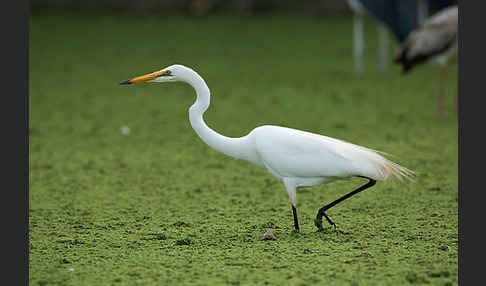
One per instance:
(435, 41)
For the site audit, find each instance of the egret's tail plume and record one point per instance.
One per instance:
(397, 171)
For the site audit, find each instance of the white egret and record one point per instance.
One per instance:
(436, 42)
(297, 158)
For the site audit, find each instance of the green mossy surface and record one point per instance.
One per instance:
(159, 207)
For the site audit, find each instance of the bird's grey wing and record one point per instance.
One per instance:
(433, 38)
(430, 40)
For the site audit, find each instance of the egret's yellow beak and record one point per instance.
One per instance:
(147, 77)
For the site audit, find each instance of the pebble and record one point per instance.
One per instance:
(268, 235)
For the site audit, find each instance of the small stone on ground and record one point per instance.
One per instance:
(268, 235)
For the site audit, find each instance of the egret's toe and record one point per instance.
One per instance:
(318, 224)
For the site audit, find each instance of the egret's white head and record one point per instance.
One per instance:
(170, 73)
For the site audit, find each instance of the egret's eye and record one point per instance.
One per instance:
(168, 73)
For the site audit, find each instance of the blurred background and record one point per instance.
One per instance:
(399, 17)
(203, 7)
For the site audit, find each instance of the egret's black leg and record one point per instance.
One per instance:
(296, 221)
(321, 212)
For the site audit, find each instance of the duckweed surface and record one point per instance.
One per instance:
(123, 192)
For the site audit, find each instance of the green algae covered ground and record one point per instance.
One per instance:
(156, 206)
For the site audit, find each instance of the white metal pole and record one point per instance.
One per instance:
(358, 49)
(383, 45)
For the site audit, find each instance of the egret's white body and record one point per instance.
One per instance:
(295, 157)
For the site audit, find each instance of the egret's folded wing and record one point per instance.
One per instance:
(295, 153)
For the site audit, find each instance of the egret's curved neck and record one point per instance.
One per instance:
(235, 147)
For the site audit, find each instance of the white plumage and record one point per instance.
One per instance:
(300, 154)
(295, 157)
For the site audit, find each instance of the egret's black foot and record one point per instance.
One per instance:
(318, 223)
(318, 220)
(329, 220)
(321, 212)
